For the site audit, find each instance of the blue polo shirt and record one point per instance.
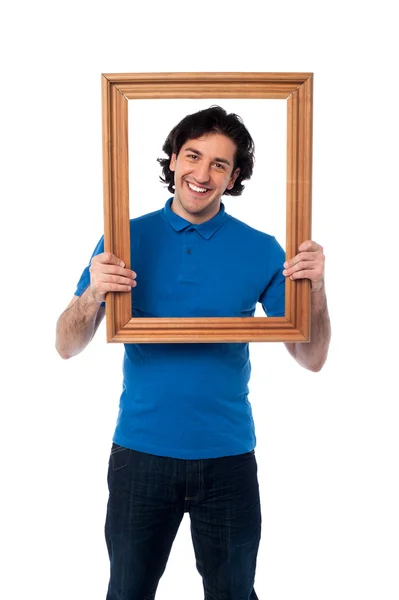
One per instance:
(190, 401)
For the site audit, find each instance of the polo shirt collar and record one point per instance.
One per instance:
(206, 229)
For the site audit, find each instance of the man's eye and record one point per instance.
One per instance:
(219, 166)
(192, 156)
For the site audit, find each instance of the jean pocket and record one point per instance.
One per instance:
(119, 456)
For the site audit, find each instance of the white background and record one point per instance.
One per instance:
(328, 446)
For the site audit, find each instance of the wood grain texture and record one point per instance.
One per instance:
(206, 90)
(116, 198)
(297, 89)
(296, 79)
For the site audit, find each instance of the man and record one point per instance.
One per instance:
(184, 440)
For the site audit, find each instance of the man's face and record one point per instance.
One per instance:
(203, 171)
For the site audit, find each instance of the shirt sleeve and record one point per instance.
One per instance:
(84, 280)
(273, 296)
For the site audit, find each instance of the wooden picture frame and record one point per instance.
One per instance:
(117, 90)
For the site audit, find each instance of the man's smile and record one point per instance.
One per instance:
(197, 190)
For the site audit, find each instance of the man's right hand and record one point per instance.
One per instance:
(107, 274)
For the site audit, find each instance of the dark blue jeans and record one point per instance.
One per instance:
(148, 496)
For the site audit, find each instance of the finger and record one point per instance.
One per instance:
(109, 278)
(298, 258)
(108, 258)
(300, 266)
(115, 287)
(309, 246)
(106, 268)
(103, 287)
(305, 274)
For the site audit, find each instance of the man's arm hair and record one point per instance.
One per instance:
(313, 355)
(77, 324)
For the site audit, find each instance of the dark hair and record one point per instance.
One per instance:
(211, 120)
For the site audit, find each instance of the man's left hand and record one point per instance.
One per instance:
(307, 264)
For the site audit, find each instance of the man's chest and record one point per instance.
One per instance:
(190, 281)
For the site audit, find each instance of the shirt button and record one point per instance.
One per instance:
(188, 251)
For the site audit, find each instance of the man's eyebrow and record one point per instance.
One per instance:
(221, 160)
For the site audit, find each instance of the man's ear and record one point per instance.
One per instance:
(233, 179)
(172, 165)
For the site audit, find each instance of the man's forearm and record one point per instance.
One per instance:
(312, 355)
(76, 325)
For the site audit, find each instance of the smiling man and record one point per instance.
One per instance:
(184, 439)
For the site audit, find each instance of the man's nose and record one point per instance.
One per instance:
(202, 173)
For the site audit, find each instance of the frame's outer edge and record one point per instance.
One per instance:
(209, 329)
(116, 198)
(116, 210)
(217, 336)
(305, 196)
(204, 77)
(107, 179)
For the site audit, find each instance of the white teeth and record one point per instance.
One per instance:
(195, 188)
